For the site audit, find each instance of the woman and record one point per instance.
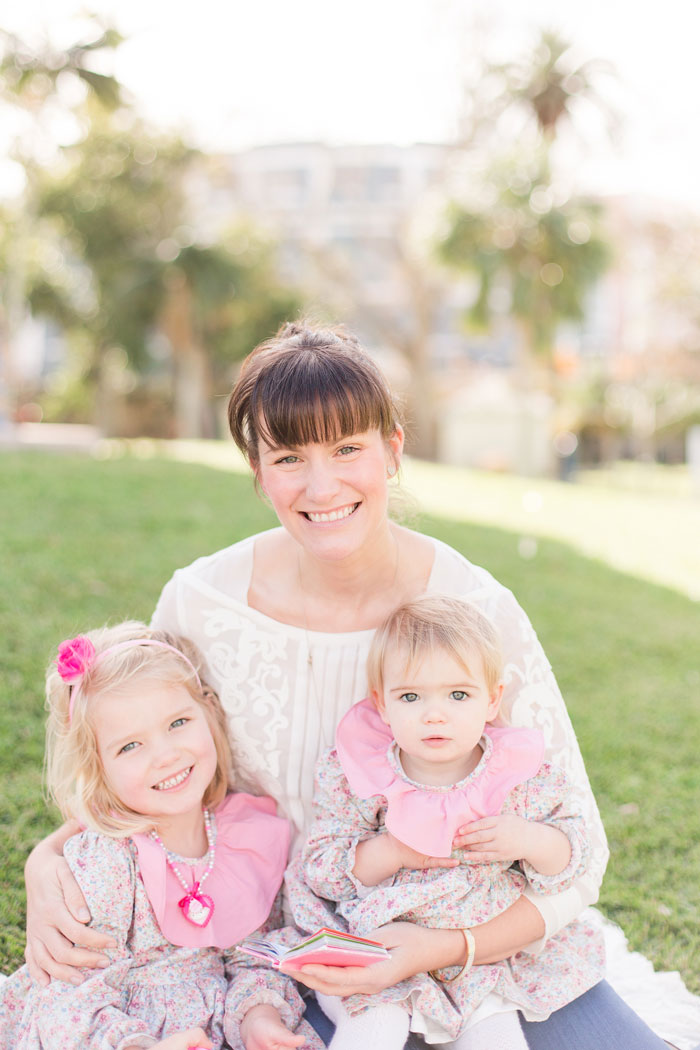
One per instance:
(285, 619)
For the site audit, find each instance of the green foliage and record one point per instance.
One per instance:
(83, 542)
(28, 75)
(116, 200)
(547, 256)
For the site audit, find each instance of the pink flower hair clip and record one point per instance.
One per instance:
(75, 657)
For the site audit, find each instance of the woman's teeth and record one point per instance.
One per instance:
(333, 515)
(172, 782)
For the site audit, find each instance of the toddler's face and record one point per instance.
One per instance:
(437, 710)
(156, 748)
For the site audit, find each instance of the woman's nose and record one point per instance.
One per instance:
(321, 483)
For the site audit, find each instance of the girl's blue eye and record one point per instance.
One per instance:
(178, 722)
(410, 698)
(127, 747)
(459, 694)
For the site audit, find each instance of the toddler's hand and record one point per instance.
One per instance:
(192, 1039)
(411, 858)
(501, 838)
(262, 1029)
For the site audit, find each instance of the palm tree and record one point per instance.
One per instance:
(544, 258)
(550, 84)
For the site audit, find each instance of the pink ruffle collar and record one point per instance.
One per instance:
(427, 818)
(251, 856)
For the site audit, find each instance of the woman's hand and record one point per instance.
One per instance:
(192, 1039)
(414, 949)
(56, 916)
(262, 1029)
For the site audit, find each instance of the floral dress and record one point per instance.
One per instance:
(151, 987)
(323, 891)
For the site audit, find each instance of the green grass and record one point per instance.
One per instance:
(83, 542)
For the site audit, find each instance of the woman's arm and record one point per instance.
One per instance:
(57, 915)
(416, 949)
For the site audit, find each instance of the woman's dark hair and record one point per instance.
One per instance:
(308, 384)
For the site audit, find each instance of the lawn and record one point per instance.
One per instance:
(85, 541)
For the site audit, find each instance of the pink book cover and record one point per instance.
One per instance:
(326, 946)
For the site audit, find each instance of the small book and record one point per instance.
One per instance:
(329, 947)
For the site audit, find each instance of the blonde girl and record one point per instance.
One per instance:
(174, 867)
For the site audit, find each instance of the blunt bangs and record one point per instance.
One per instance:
(314, 397)
(308, 385)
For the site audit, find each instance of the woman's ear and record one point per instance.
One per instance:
(494, 705)
(395, 450)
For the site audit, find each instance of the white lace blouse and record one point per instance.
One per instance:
(285, 688)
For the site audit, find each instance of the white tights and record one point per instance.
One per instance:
(497, 1032)
(385, 1027)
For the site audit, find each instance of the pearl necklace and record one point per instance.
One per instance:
(197, 907)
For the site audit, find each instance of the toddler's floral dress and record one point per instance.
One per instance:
(361, 791)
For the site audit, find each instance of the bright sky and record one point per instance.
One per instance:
(234, 73)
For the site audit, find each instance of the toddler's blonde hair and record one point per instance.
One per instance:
(74, 775)
(436, 622)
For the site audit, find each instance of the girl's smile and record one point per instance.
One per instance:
(157, 752)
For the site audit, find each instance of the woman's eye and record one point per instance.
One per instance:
(346, 450)
(288, 459)
(178, 722)
(410, 698)
(459, 694)
(127, 747)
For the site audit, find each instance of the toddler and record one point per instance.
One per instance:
(423, 757)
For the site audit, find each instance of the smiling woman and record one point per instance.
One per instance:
(285, 620)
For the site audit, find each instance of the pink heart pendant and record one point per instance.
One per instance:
(197, 908)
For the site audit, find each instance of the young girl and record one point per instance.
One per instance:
(414, 764)
(172, 866)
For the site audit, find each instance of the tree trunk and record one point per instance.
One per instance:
(192, 375)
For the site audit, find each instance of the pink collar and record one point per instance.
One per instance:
(251, 855)
(427, 818)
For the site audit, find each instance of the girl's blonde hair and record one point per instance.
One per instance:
(74, 775)
(436, 622)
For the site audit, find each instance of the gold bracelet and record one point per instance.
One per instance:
(469, 962)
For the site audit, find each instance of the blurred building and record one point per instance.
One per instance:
(354, 226)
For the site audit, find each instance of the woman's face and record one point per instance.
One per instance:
(331, 497)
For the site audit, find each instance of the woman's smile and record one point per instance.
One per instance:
(324, 517)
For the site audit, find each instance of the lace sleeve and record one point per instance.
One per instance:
(532, 698)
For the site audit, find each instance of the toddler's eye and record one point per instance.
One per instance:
(459, 694)
(410, 698)
(178, 722)
(127, 747)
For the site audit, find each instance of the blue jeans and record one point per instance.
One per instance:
(597, 1020)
